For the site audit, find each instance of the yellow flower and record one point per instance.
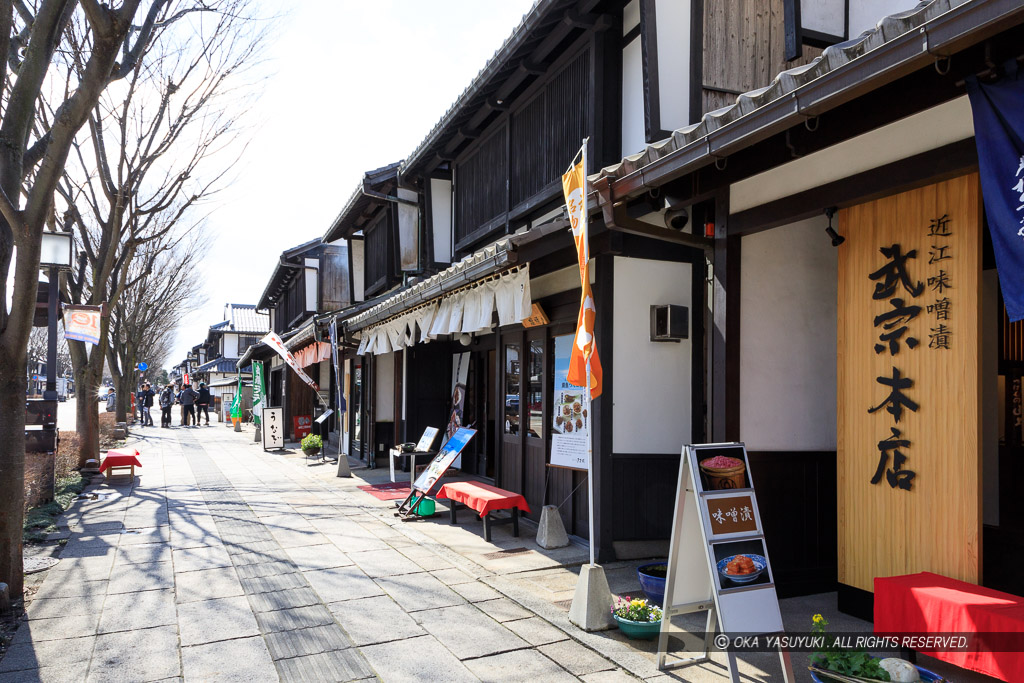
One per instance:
(638, 603)
(818, 619)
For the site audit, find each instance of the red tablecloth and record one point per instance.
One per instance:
(930, 603)
(120, 458)
(482, 497)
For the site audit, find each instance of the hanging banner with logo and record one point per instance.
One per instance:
(82, 323)
(258, 390)
(574, 186)
(274, 342)
(999, 134)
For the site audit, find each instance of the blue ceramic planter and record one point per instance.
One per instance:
(654, 586)
(638, 630)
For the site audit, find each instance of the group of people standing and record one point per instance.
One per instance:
(194, 404)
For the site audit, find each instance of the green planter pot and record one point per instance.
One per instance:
(638, 630)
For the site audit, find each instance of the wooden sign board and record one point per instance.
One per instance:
(273, 428)
(537, 317)
(909, 411)
(718, 561)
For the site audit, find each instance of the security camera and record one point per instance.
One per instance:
(676, 219)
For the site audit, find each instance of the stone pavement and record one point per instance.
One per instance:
(220, 562)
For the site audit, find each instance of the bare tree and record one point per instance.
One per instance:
(144, 318)
(32, 159)
(159, 144)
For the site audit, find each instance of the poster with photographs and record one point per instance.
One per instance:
(721, 467)
(443, 460)
(741, 564)
(570, 425)
(273, 428)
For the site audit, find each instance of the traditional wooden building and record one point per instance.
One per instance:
(477, 207)
(855, 335)
(309, 284)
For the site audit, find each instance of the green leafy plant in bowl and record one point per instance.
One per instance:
(312, 443)
(843, 660)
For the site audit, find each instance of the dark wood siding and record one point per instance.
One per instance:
(480, 189)
(334, 288)
(292, 305)
(377, 255)
(518, 163)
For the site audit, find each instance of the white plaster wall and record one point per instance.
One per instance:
(441, 219)
(826, 16)
(312, 278)
(651, 379)
(384, 389)
(230, 345)
(672, 18)
(788, 303)
(358, 269)
(930, 129)
(633, 139)
(865, 14)
(630, 16)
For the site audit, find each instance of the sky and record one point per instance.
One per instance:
(350, 86)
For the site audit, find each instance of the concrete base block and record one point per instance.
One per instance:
(259, 435)
(120, 433)
(343, 469)
(551, 531)
(592, 604)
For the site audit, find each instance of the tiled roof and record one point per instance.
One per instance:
(694, 140)
(219, 365)
(245, 318)
(358, 201)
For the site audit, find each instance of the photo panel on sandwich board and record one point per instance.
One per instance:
(718, 559)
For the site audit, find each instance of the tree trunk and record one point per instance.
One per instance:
(12, 469)
(87, 414)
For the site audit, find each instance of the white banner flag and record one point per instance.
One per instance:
(274, 342)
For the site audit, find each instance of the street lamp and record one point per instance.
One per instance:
(55, 253)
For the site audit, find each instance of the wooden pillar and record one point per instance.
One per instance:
(604, 483)
(724, 383)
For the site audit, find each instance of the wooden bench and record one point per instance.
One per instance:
(484, 499)
(930, 603)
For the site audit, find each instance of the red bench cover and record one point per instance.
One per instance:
(930, 603)
(120, 458)
(482, 497)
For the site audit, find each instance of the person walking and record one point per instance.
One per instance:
(145, 399)
(203, 403)
(166, 403)
(188, 398)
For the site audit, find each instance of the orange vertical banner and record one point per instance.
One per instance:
(574, 186)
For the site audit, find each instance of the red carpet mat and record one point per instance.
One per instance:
(388, 491)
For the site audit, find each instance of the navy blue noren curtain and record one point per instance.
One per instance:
(999, 134)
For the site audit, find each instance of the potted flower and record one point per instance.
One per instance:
(832, 662)
(311, 444)
(637, 619)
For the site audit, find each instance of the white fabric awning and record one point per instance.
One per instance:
(465, 311)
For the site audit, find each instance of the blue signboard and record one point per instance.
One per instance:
(443, 460)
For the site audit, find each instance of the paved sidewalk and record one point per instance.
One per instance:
(221, 562)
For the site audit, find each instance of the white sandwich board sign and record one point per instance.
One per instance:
(718, 560)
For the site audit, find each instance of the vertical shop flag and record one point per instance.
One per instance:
(574, 186)
(258, 390)
(236, 402)
(999, 134)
